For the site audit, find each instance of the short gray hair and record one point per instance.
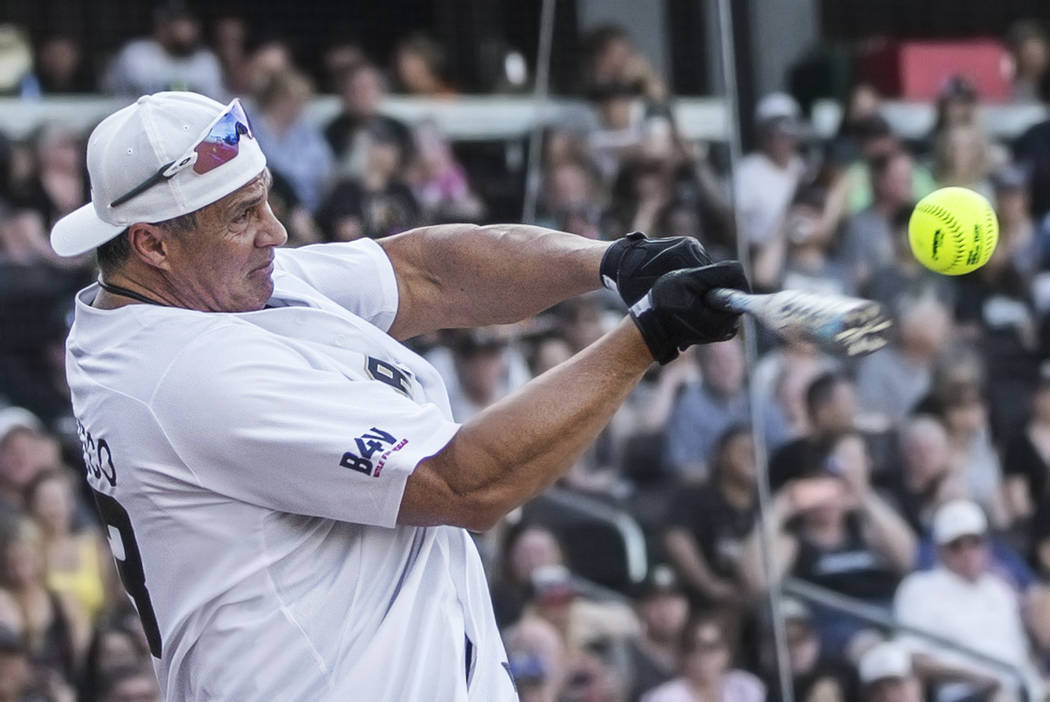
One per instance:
(115, 252)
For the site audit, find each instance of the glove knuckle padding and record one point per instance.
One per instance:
(634, 263)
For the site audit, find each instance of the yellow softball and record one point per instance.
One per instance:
(953, 231)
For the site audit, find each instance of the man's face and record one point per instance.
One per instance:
(226, 263)
(966, 556)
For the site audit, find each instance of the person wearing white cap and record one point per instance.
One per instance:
(963, 601)
(886, 673)
(765, 180)
(286, 493)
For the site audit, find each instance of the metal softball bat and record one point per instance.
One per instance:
(840, 324)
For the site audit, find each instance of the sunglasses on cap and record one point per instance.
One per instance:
(218, 144)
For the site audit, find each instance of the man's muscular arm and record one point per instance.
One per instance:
(517, 447)
(514, 449)
(461, 275)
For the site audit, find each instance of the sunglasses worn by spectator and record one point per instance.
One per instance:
(218, 144)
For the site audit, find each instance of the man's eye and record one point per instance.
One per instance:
(243, 215)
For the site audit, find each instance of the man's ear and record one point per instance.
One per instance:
(149, 243)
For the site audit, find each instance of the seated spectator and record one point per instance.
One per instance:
(611, 58)
(172, 59)
(706, 524)
(114, 645)
(1027, 247)
(229, 35)
(902, 279)
(782, 375)
(890, 383)
(961, 158)
(877, 142)
(373, 202)
(766, 180)
(526, 547)
(294, 146)
(703, 412)
(869, 236)
(439, 182)
(53, 627)
(962, 601)
(132, 684)
(361, 93)
(59, 184)
(797, 256)
(831, 407)
(640, 192)
(25, 452)
(486, 369)
(536, 659)
(593, 633)
(835, 531)
(61, 67)
(570, 200)
(964, 413)
(341, 56)
(79, 564)
(663, 610)
(1030, 54)
(818, 674)
(419, 66)
(16, 55)
(706, 672)
(1027, 460)
(887, 676)
(927, 478)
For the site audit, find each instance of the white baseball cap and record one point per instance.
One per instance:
(12, 418)
(777, 106)
(139, 161)
(885, 660)
(958, 518)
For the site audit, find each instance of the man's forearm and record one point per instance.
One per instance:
(514, 449)
(459, 275)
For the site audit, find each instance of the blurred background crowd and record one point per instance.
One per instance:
(905, 542)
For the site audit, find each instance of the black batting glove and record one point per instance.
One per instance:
(632, 264)
(675, 315)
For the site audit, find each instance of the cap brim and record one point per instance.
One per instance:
(80, 231)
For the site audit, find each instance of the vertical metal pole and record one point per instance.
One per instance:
(724, 13)
(540, 96)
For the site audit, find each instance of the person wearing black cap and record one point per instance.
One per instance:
(663, 610)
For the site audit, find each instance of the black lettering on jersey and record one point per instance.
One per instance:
(98, 457)
(390, 374)
(368, 444)
(129, 568)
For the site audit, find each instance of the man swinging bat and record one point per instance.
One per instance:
(286, 494)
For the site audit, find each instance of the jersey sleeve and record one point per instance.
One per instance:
(357, 275)
(253, 420)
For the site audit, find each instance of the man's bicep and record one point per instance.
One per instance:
(275, 432)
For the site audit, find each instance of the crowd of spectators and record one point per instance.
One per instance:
(915, 481)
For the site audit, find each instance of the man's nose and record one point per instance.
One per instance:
(272, 232)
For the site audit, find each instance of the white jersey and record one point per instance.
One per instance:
(250, 468)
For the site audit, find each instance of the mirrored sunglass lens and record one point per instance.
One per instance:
(221, 144)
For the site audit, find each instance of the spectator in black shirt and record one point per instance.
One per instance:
(836, 532)
(361, 91)
(831, 404)
(375, 203)
(1027, 464)
(663, 609)
(707, 523)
